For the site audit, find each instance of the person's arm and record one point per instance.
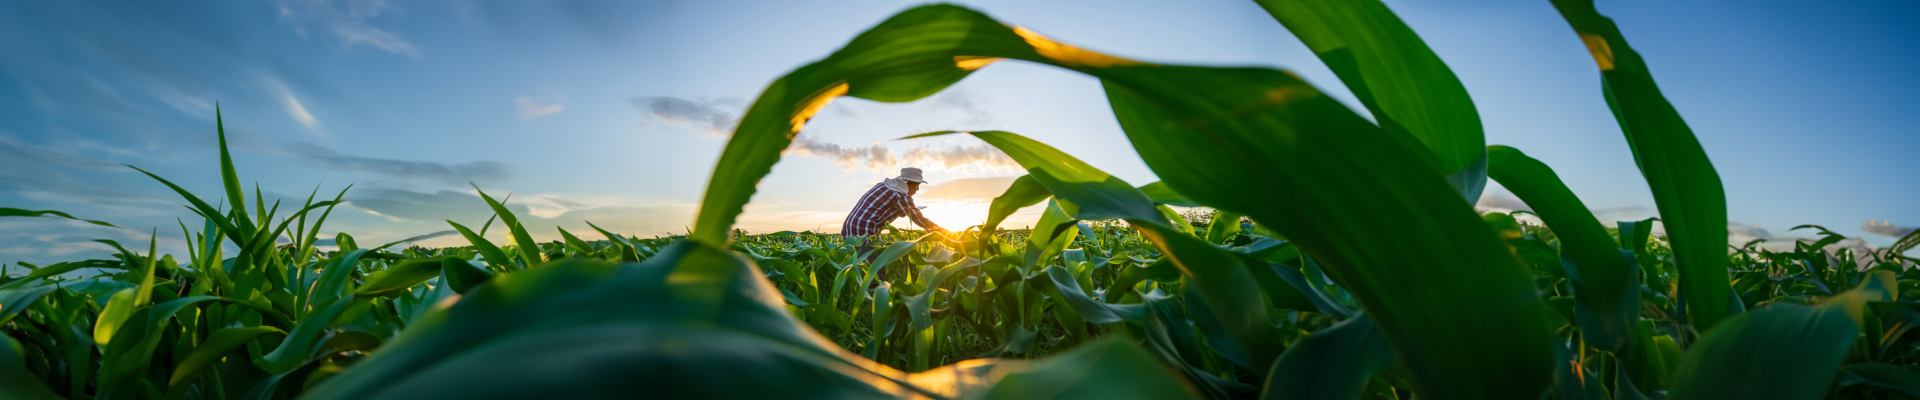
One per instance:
(906, 203)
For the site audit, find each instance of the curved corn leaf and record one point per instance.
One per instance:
(1225, 224)
(1050, 235)
(16, 382)
(230, 179)
(1686, 189)
(1161, 194)
(573, 242)
(1225, 282)
(122, 305)
(214, 347)
(919, 307)
(1881, 375)
(529, 250)
(336, 273)
(1785, 351)
(302, 341)
(1332, 363)
(133, 345)
(15, 212)
(405, 274)
(1093, 310)
(1023, 193)
(462, 275)
(498, 258)
(15, 300)
(1411, 93)
(1606, 281)
(1108, 369)
(1096, 194)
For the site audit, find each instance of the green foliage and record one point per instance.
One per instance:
(1363, 274)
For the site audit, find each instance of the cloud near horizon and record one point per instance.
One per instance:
(711, 117)
(407, 170)
(1886, 228)
(881, 158)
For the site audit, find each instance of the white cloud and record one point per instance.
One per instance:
(1885, 228)
(292, 105)
(529, 109)
(715, 118)
(347, 21)
(881, 158)
(298, 111)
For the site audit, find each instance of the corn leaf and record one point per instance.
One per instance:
(1411, 93)
(1332, 363)
(1280, 152)
(1686, 189)
(1606, 282)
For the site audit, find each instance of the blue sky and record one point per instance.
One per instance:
(614, 112)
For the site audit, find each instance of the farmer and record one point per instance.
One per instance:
(885, 202)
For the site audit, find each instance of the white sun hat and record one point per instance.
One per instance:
(911, 174)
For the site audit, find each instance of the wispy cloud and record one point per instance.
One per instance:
(880, 158)
(408, 170)
(961, 101)
(1500, 201)
(714, 118)
(1886, 228)
(529, 109)
(347, 21)
(968, 188)
(292, 105)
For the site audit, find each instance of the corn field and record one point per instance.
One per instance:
(1343, 259)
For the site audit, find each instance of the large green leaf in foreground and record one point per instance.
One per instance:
(1783, 351)
(1693, 206)
(1260, 142)
(1402, 82)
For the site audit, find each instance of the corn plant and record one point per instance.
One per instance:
(1338, 257)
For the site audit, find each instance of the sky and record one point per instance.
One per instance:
(615, 112)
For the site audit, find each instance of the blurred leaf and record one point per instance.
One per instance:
(1686, 189)
(1881, 375)
(1161, 194)
(15, 212)
(1332, 363)
(15, 300)
(1107, 369)
(16, 382)
(1785, 351)
(1411, 93)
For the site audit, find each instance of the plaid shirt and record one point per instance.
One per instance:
(878, 207)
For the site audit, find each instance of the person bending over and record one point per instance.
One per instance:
(885, 202)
